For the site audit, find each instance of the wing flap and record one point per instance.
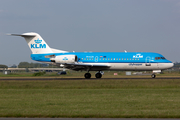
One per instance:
(86, 66)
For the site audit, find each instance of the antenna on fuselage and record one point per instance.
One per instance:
(125, 51)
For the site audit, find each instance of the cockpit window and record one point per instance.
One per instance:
(158, 58)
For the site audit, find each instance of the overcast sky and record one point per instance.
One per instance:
(91, 25)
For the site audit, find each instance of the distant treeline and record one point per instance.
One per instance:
(35, 65)
(177, 64)
(29, 65)
(3, 66)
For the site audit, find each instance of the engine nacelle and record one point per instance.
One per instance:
(64, 59)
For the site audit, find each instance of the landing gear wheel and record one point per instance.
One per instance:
(87, 75)
(153, 75)
(98, 75)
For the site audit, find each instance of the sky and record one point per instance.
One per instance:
(91, 25)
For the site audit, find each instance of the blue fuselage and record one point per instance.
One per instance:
(108, 57)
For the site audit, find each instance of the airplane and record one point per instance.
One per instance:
(95, 61)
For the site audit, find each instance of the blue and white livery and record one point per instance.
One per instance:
(95, 61)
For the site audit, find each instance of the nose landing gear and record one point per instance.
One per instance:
(153, 75)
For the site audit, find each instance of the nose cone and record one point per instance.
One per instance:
(166, 65)
(170, 65)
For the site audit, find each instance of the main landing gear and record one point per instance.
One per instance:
(153, 75)
(87, 75)
(97, 75)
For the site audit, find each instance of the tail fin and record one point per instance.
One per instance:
(35, 43)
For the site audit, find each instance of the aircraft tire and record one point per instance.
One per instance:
(153, 76)
(87, 75)
(98, 75)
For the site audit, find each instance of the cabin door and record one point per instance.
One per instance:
(148, 61)
(96, 59)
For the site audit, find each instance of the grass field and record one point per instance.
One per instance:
(127, 98)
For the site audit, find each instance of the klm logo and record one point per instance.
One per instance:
(65, 58)
(38, 41)
(138, 56)
(38, 44)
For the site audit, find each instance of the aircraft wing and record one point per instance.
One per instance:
(86, 66)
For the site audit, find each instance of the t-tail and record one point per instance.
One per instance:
(37, 44)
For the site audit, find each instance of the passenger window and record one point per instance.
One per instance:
(122, 58)
(92, 58)
(127, 58)
(87, 58)
(119, 58)
(130, 59)
(82, 58)
(108, 58)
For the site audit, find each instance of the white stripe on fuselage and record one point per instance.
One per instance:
(135, 66)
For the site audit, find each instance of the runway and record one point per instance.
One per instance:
(53, 78)
(87, 119)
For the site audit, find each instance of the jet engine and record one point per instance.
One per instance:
(64, 59)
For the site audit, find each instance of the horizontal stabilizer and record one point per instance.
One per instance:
(22, 35)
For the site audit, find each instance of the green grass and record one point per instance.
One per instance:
(90, 103)
(92, 84)
(126, 98)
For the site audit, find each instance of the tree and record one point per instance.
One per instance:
(35, 65)
(3, 66)
(23, 65)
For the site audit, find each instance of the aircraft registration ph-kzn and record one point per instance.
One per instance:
(95, 61)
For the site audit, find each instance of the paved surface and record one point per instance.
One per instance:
(32, 78)
(87, 119)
